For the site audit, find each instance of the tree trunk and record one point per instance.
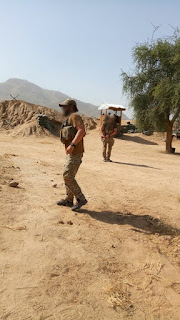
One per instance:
(169, 138)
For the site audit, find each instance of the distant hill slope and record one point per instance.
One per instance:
(34, 94)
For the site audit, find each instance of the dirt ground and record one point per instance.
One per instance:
(117, 258)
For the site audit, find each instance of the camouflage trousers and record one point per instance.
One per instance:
(71, 167)
(107, 147)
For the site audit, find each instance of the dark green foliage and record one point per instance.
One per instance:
(154, 87)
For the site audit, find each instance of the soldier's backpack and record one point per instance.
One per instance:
(67, 133)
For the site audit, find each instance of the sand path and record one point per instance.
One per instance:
(118, 259)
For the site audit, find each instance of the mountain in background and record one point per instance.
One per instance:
(34, 94)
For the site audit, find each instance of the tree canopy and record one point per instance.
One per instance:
(154, 86)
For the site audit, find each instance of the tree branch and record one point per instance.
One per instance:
(176, 115)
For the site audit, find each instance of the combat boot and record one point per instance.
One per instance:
(79, 204)
(65, 203)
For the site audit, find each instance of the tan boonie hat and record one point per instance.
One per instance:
(68, 102)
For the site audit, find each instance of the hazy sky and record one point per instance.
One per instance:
(78, 46)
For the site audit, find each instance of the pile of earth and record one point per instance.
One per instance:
(20, 118)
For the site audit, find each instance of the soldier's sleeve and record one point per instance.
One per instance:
(77, 121)
(103, 129)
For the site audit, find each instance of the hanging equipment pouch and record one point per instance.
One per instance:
(67, 133)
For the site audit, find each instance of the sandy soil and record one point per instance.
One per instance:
(116, 259)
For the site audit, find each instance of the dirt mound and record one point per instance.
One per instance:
(31, 128)
(90, 123)
(20, 118)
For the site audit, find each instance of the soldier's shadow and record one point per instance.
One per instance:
(135, 165)
(140, 223)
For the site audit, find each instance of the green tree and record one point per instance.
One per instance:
(154, 86)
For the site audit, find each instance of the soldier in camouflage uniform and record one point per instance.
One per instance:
(108, 130)
(72, 136)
